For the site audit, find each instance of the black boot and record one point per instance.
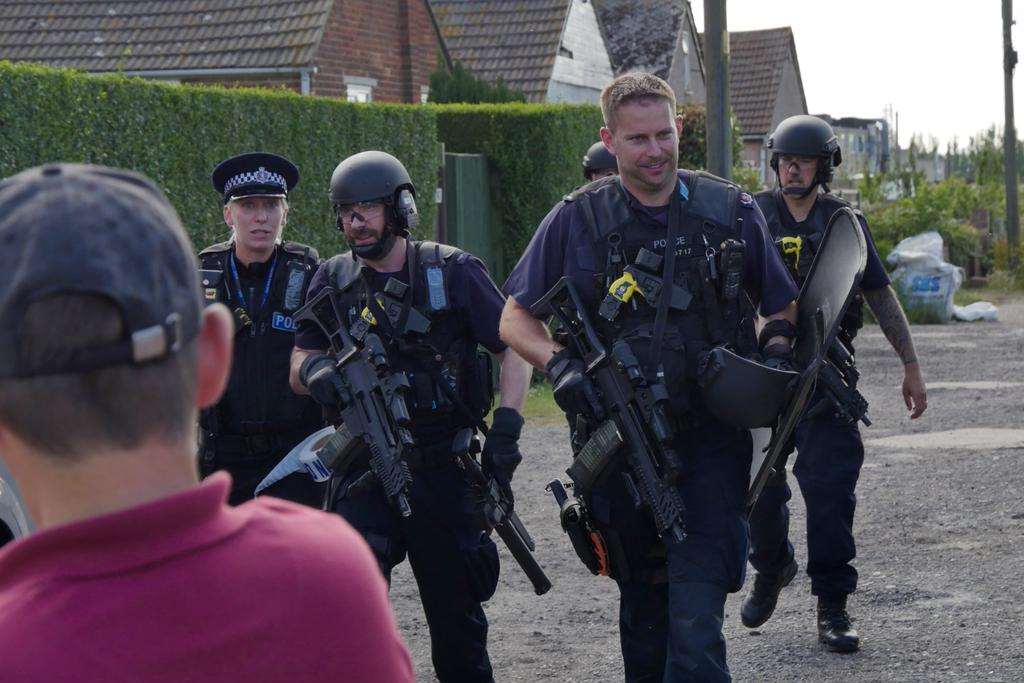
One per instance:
(760, 604)
(834, 627)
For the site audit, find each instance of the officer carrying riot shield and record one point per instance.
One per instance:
(648, 272)
(431, 306)
(804, 151)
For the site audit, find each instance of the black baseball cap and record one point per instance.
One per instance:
(254, 174)
(76, 228)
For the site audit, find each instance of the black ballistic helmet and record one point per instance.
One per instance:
(376, 177)
(598, 158)
(808, 136)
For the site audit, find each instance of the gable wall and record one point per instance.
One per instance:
(392, 42)
(581, 78)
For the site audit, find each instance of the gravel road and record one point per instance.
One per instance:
(940, 527)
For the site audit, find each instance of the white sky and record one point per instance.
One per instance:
(938, 62)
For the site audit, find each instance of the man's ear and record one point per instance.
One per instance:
(679, 125)
(607, 138)
(213, 354)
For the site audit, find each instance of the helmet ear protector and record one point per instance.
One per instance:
(407, 216)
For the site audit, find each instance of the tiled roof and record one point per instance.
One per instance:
(143, 35)
(517, 40)
(641, 35)
(756, 60)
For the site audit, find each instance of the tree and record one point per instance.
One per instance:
(462, 86)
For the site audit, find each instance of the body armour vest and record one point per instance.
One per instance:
(798, 259)
(426, 338)
(704, 311)
(258, 399)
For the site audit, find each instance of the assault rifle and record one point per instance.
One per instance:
(498, 511)
(838, 378)
(632, 420)
(373, 412)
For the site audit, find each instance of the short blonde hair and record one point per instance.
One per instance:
(633, 87)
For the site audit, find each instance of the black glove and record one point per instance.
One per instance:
(573, 391)
(779, 357)
(501, 453)
(319, 374)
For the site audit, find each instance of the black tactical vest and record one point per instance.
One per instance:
(426, 338)
(827, 204)
(258, 399)
(708, 219)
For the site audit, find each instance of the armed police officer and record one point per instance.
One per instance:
(598, 162)
(672, 591)
(262, 280)
(446, 305)
(804, 150)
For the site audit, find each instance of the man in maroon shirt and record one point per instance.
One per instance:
(138, 572)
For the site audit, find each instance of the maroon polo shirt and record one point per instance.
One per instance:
(186, 588)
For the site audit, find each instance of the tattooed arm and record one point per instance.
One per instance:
(891, 319)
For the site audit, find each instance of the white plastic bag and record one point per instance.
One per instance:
(979, 310)
(925, 283)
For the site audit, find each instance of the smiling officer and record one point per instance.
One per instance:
(262, 280)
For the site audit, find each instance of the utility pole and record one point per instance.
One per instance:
(716, 61)
(1010, 135)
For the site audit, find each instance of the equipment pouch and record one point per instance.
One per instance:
(482, 568)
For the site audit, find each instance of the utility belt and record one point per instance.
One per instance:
(242, 448)
(436, 457)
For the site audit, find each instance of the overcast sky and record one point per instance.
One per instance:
(938, 63)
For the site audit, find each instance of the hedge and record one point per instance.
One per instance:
(535, 153)
(176, 134)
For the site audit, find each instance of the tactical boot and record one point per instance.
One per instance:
(760, 604)
(834, 627)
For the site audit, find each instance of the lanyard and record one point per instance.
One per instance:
(238, 283)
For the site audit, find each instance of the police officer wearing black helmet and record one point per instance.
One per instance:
(262, 280)
(598, 162)
(672, 590)
(452, 306)
(804, 151)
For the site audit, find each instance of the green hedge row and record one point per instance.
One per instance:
(177, 134)
(535, 154)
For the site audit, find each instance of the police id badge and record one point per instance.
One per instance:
(210, 279)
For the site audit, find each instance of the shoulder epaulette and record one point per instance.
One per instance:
(300, 249)
(712, 198)
(218, 248)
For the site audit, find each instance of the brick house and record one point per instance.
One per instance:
(551, 50)
(656, 36)
(764, 88)
(361, 50)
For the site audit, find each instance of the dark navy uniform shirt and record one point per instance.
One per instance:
(474, 296)
(564, 245)
(875, 275)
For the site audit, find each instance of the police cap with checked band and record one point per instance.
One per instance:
(255, 174)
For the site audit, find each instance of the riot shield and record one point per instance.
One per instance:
(831, 283)
(742, 393)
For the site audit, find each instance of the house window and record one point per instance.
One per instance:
(359, 88)
(424, 94)
(359, 93)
